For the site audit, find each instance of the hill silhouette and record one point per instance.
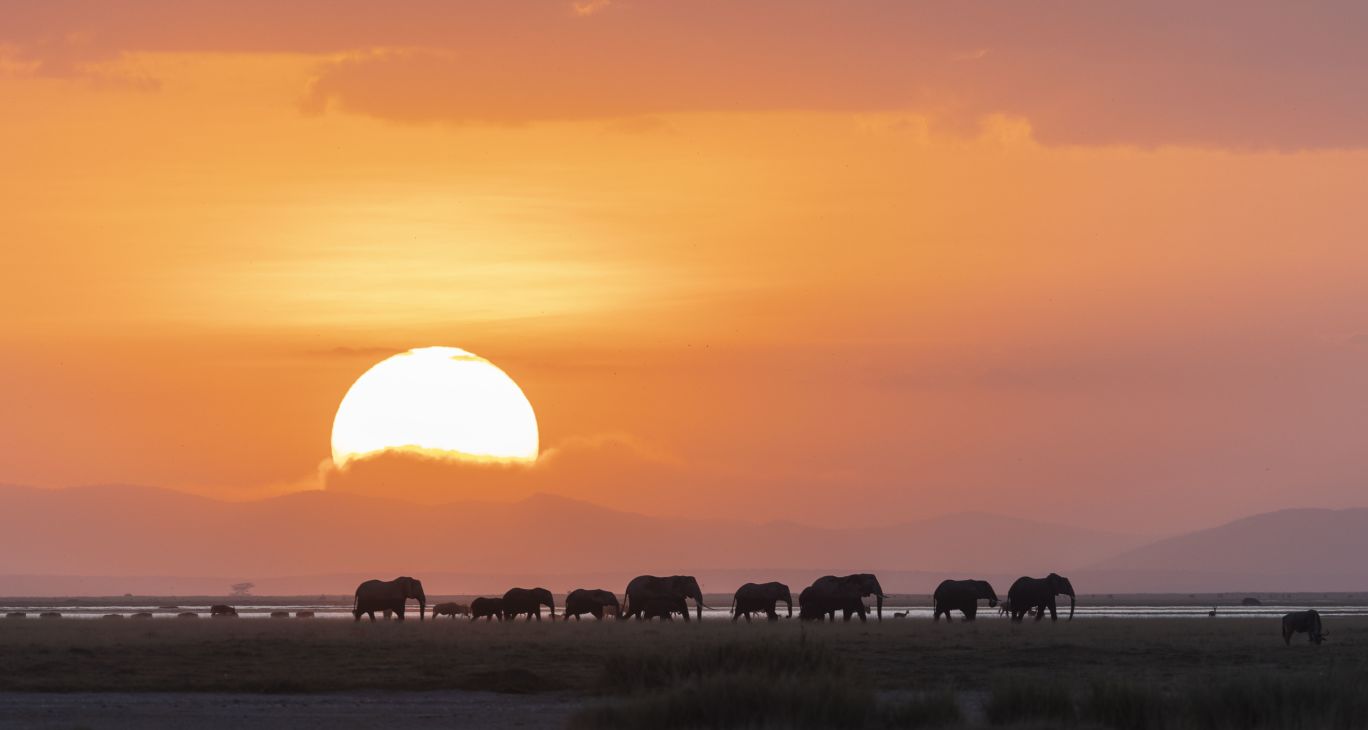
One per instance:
(1286, 550)
(142, 531)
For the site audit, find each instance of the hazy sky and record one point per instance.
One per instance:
(841, 262)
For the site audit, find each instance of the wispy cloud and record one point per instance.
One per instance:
(585, 8)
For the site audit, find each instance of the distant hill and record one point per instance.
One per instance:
(1287, 550)
(157, 534)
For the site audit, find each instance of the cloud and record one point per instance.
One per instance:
(605, 469)
(585, 8)
(1223, 74)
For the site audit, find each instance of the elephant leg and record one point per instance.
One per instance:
(1054, 616)
(970, 612)
(771, 614)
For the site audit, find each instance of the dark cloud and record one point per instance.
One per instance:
(608, 469)
(1226, 74)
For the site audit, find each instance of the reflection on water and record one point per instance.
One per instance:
(333, 611)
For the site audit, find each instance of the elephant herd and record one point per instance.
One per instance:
(649, 596)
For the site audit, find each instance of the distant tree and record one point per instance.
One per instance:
(243, 589)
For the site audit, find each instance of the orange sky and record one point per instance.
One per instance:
(847, 262)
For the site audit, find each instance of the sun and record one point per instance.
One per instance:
(436, 400)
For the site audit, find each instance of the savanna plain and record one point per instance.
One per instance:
(1100, 673)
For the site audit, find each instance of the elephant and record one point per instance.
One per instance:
(142, 614)
(1302, 622)
(304, 614)
(450, 609)
(815, 604)
(595, 601)
(222, 611)
(112, 615)
(280, 614)
(486, 608)
(388, 595)
(761, 597)
(664, 608)
(16, 614)
(962, 596)
(529, 601)
(836, 591)
(50, 614)
(645, 587)
(1039, 594)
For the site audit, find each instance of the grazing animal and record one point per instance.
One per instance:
(900, 614)
(221, 611)
(280, 614)
(593, 601)
(486, 608)
(450, 609)
(49, 614)
(1302, 622)
(187, 614)
(1212, 612)
(1039, 593)
(388, 595)
(304, 614)
(761, 598)
(141, 614)
(518, 601)
(112, 615)
(962, 596)
(831, 593)
(645, 587)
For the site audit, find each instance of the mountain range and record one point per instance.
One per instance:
(103, 539)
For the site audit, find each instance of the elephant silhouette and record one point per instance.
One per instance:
(388, 595)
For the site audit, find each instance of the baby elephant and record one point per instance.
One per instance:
(486, 608)
(450, 609)
(663, 608)
(1302, 622)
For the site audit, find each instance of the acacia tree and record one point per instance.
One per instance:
(242, 589)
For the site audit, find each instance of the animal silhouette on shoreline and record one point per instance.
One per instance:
(962, 596)
(450, 609)
(1303, 622)
(1039, 594)
(388, 595)
(643, 588)
(761, 598)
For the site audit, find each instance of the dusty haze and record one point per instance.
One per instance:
(845, 265)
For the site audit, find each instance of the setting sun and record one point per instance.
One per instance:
(437, 400)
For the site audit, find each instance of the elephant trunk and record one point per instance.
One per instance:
(788, 598)
(1072, 602)
(698, 605)
(880, 606)
(422, 608)
(552, 603)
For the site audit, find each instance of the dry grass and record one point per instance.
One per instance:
(1127, 674)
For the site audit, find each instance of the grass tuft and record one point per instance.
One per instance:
(735, 700)
(1015, 701)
